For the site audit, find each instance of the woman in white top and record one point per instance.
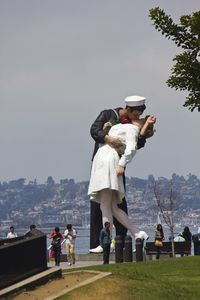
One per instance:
(106, 182)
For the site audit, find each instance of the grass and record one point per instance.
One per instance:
(170, 279)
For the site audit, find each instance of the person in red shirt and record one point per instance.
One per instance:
(56, 237)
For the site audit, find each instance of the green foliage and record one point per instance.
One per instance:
(186, 71)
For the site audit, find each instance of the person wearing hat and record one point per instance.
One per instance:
(100, 136)
(99, 181)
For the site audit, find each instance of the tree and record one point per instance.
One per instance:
(165, 197)
(186, 71)
(18, 184)
(50, 181)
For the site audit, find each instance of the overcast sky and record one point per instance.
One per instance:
(63, 61)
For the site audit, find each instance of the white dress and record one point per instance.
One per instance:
(103, 173)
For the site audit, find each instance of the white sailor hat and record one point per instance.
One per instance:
(133, 101)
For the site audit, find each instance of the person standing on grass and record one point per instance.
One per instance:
(105, 241)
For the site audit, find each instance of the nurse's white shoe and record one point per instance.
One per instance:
(98, 249)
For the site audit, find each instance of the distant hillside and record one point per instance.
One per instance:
(24, 203)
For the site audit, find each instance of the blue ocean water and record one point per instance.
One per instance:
(82, 240)
(83, 236)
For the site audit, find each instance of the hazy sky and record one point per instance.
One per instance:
(63, 61)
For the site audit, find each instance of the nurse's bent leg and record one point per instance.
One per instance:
(122, 217)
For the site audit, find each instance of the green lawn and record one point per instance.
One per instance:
(170, 279)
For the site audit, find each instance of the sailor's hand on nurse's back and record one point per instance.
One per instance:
(120, 170)
(113, 142)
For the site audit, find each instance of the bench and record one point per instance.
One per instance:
(179, 248)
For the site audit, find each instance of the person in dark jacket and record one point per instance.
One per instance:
(100, 136)
(105, 241)
(187, 235)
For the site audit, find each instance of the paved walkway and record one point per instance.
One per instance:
(78, 264)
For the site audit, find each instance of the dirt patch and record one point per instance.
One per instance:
(109, 288)
(55, 286)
